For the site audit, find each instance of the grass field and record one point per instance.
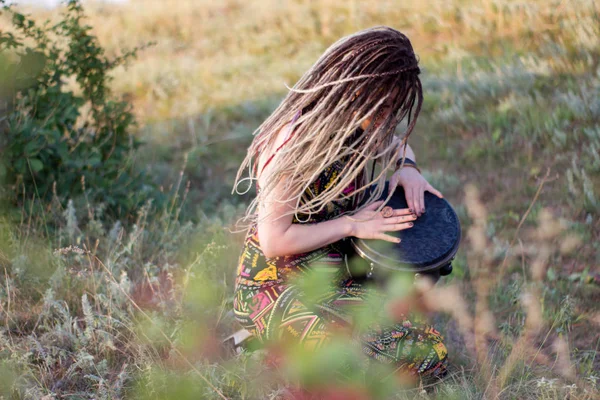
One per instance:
(509, 132)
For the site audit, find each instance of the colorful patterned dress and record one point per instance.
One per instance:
(271, 306)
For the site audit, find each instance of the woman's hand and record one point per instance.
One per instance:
(371, 224)
(414, 188)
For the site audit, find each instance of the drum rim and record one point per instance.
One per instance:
(410, 267)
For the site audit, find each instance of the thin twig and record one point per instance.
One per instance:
(537, 194)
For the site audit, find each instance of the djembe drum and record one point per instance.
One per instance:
(427, 248)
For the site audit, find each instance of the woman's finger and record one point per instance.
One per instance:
(434, 191)
(399, 220)
(415, 195)
(422, 199)
(387, 238)
(409, 199)
(402, 211)
(399, 227)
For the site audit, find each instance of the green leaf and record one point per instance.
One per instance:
(18, 19)
(575, 276)
(496, 135)
(94, 160)
(36, 164)
(32, 148)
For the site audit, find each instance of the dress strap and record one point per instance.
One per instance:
(287, 138)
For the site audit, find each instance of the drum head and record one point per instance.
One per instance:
(431, 243)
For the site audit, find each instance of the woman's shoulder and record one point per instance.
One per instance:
(270, 152)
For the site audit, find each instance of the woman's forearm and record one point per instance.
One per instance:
(302, 238)
(409, 153)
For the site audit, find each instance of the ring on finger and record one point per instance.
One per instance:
(387, 212)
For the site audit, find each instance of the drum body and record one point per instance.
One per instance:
(427, 248)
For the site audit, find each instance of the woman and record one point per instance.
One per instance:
(312, 174)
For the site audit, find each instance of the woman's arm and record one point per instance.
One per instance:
(278, 236)
(409, 153)
(414, 184)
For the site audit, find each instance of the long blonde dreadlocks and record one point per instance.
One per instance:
(349, 83)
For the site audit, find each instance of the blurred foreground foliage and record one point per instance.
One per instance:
(60, 142)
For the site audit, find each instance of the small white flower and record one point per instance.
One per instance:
(70, 249)
(570, 388)
(548, 383)
(541, 382)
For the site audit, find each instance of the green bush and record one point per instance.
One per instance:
(71, 141)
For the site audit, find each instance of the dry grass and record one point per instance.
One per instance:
(215, 54)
